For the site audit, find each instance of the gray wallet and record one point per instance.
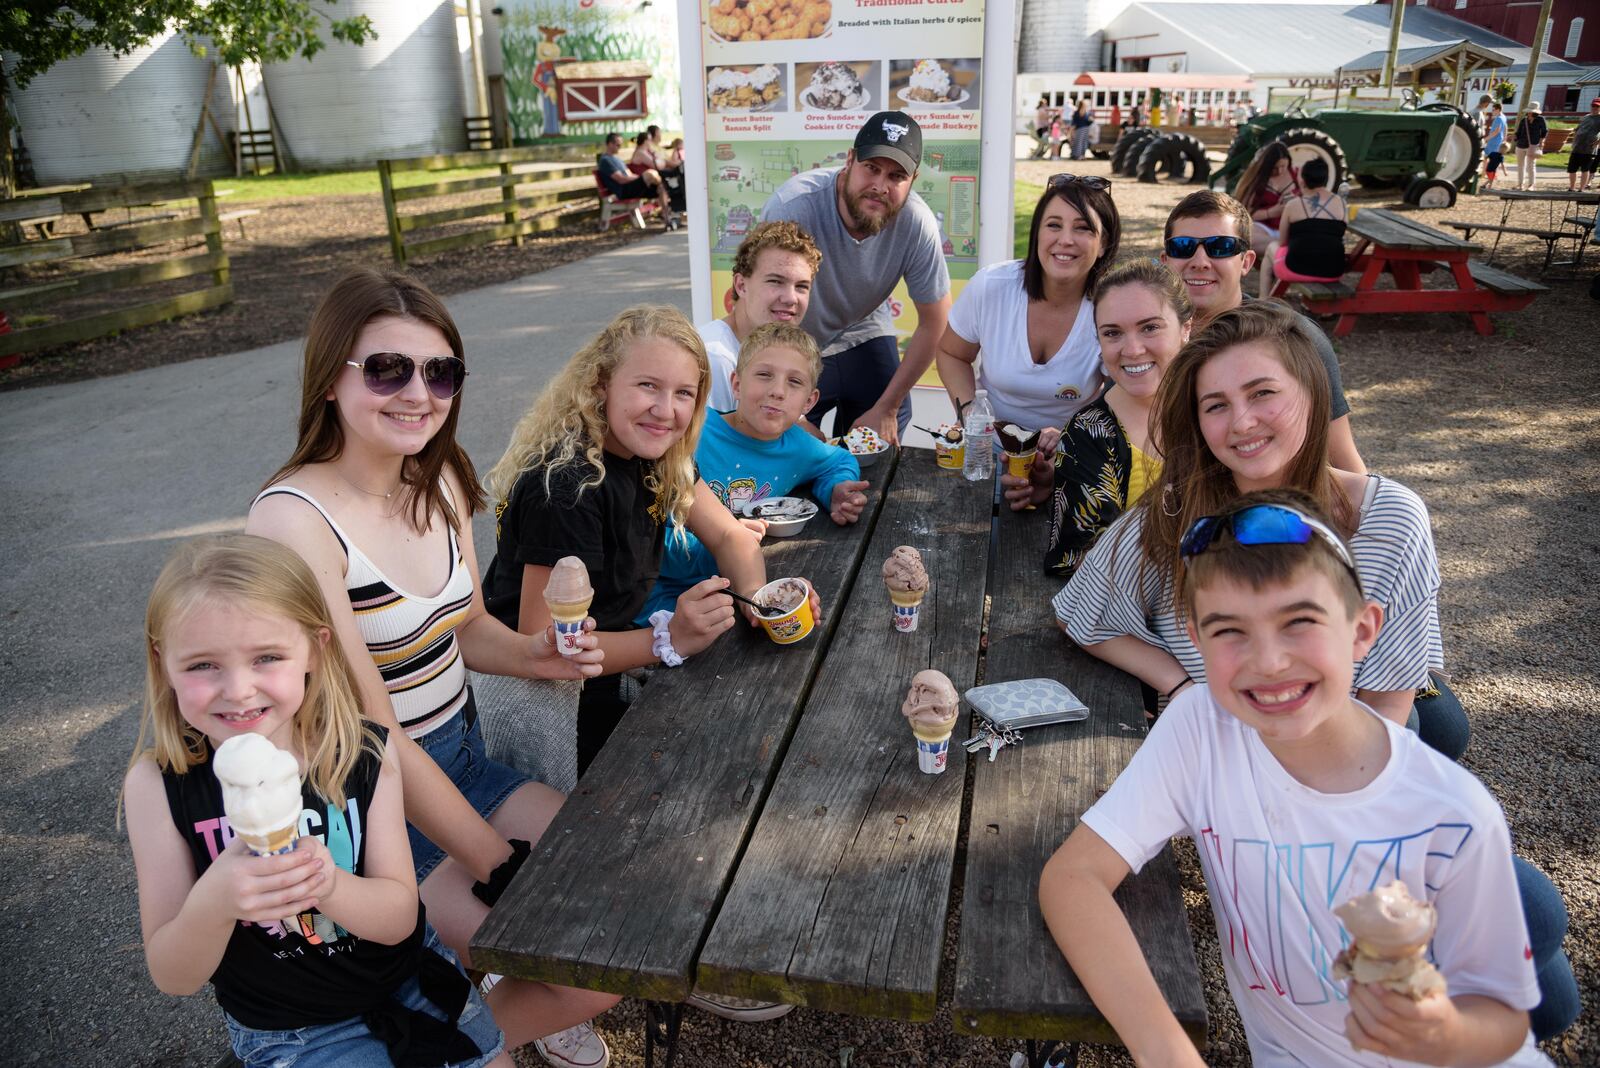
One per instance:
(1026, 703)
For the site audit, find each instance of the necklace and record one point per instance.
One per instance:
(362, 489)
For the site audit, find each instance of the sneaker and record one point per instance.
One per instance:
(741, 1009)
(576, 1047)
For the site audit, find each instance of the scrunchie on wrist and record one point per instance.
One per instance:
(489, 892)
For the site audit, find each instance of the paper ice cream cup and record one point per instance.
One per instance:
(568, 620)
(907, 604)
(933, 754)
(1019, 464)
(793, 626)
(950, 457)
(274, 842)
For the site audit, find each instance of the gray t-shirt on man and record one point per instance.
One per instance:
(847, 297)
(1587, 135)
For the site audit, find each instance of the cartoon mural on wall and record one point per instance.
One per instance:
(538, 35)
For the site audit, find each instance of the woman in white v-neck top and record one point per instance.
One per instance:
(1024, 330)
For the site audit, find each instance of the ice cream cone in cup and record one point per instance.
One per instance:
(907, 605)
(568, 596)
(907, 582)
(932, 707)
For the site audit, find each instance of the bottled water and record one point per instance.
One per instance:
(978, 432)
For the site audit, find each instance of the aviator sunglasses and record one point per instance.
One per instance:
(1264, 524)
(387, 373)
(1218, 248)
(1088, 181)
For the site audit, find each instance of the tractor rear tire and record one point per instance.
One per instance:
(1462, 150)
(1159, 154)
(1194, 153)
(1304, 142)
(1130, 141)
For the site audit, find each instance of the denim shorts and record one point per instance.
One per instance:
(350, 1043)
(457, 747)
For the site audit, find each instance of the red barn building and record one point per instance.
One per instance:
(1572, 34)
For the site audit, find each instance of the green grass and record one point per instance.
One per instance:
(1026, 196)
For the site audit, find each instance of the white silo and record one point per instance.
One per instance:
(104, 118)
(398, 95)
(1062, 35)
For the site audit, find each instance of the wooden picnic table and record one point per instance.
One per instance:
(757, 825)
(1576, 227)
(1407, 250)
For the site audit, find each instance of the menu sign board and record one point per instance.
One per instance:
(785, 85)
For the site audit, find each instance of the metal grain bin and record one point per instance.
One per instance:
(400, 95)
(105, 118)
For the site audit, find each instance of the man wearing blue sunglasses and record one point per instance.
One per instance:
(1207, 245)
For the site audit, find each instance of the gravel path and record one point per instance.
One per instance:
(1497, 434)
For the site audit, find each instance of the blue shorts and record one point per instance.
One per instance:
(458, 748)
(351, 1044)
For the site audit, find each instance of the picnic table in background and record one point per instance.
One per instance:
(1407, 250)
(757, 824)
(1574, 226)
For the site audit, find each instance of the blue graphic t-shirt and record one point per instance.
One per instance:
(740, 469)
(1497, 134)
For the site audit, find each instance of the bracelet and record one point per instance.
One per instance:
(662, 648)
(1168, 695)
(489, 892)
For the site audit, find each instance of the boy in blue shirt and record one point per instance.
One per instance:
(1299, 798)
(1494, 143)
(757, 451)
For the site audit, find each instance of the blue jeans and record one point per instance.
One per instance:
(1546, 915)
(1440, 721)
(350, 1043)
(853, 380)
(458, 748)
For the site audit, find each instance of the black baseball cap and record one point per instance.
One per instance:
(891, 135)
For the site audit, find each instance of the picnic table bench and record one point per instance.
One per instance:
(1407, 250)
(757, 825)
(1552, 233)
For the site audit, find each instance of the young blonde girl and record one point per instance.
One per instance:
(322, 953)
(596, 469)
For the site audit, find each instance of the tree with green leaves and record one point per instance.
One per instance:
(37, 34)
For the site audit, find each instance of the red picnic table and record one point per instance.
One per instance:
(1408, 251)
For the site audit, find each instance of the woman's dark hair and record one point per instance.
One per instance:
(1253, 182)
(643, 137)
(356, 299)
(1098, 209)
(1314, 173)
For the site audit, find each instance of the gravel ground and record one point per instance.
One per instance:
(1497, 434)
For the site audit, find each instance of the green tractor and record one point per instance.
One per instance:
(1430, 151)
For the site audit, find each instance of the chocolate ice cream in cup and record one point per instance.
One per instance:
(907, 581)
(1021, 446)
(788, 600)
(932, 708)
(949, 447)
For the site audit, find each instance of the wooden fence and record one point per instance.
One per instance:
(532, 185)
(36, 274)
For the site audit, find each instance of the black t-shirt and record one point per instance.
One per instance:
(277, 978)
(1330, 360)
(613, 528)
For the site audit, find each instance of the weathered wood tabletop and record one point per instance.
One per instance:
(758, 825)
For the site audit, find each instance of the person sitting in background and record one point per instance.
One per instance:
(648, 153)
(1312, 246)
(619, 180)
(1263, 189)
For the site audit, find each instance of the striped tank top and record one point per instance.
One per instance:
(412, 639)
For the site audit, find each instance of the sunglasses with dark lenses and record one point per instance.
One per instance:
(1088, 181)
(1263, 524)
(1218, 248)
(387, 373)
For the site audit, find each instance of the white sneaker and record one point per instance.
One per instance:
(741, 1009)
(576, 1047)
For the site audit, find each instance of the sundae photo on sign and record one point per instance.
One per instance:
(935, 83)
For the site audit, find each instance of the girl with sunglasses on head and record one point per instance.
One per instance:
(1107, 457)
(378, 498)
(1245, 407)
(1031, 318)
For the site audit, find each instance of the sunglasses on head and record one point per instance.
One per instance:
(1218, 248)
(1264, 524)
(387, 373)
(1088, 181)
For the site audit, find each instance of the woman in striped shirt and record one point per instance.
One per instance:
(1245, 407)
(378, 498)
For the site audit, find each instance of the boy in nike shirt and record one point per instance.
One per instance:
(1298, 798)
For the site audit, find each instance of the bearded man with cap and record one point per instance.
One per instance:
(873, 231)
